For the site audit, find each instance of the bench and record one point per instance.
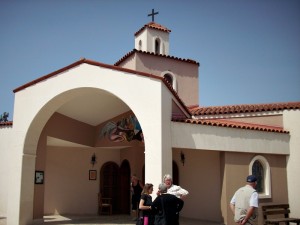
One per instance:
(274, 210)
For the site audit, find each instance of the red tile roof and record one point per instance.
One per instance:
(153, 25)
(193, 110)
(6, 124)
(151, 53)
(232, 124)
(212, 122)
(249, 108)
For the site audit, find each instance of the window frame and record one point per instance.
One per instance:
(267, 175)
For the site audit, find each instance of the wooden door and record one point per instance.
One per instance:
(125, 187)
(109, 184)
(175, 173)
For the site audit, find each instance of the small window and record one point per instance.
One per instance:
(258, 171)
(169, 78)
(140, 45)
(157, 46)
(259, 167)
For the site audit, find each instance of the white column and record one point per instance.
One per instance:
(291, 121)
(15, 170)
(27, 189)
(13, 204)
(20, 200)
(158, 149)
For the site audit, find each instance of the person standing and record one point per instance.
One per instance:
(244, 203)
(136, 190)
(174, 189)
(168, 205)
(145, 204)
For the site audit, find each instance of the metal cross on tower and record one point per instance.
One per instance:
(153, 14)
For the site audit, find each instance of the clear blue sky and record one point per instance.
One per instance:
(248, 50)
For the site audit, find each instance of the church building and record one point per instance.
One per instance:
(84, 129)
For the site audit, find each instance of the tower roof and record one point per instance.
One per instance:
(154, 54)
(154, 26)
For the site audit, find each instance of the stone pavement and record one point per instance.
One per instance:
(100, 220)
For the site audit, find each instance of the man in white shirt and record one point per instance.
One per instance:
(244, 203)
(174, 189)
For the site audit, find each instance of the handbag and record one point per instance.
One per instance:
(160, 219)
(140, 221)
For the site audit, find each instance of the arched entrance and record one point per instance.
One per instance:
(74, 105)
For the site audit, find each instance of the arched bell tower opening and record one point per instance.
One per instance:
(157, 46)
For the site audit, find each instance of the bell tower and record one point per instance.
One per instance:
(153, 38)
(151, 55)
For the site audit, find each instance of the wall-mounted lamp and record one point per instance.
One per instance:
(93, 159)
(182, 158)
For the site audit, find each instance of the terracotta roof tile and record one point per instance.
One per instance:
(232, 124)
(154, 26)
(151, 53)
(231, 109)
(6, 124)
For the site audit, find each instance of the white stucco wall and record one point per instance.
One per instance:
(200, 175)
(204, 137)
(291, 121)
(68, 189)
(35, 104)
(148, 36)
(5, 161)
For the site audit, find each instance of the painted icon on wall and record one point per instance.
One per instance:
(39, 177)
(126, 129)
(93, 175)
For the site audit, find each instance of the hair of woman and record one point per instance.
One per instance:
(146, 189)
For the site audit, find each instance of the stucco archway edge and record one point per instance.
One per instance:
(35, 105)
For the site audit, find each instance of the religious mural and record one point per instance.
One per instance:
(126, 129)
(4, 116)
